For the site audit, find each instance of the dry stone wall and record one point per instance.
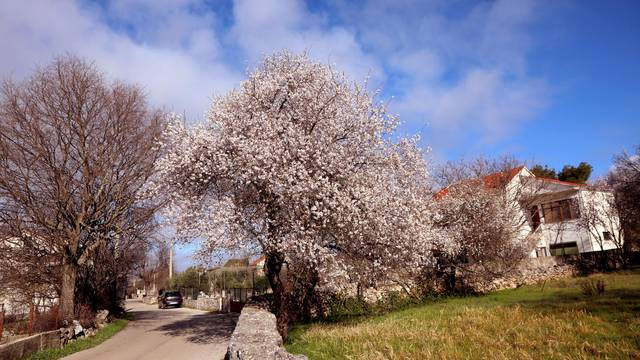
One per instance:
(150, 300)
(202, 303)
(256, 337)
(533, 271)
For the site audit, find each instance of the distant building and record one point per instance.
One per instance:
(237, 263)
(555, 213)
(258, 264)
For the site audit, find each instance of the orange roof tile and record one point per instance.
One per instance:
(500, 178)
(490, 181)
(258, 260)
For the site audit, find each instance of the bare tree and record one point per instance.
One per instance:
(19, 283)
(74, 151)
(154, 269)
(102, 282)
(600, 218)
(452, 172)
(484, 214)
(625, 181)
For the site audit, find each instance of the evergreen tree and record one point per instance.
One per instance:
(191, 278)
(578, 174)
(544, 172)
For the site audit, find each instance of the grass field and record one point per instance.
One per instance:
(556, 321)
(82, 344)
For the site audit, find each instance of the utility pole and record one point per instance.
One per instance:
(171, 259)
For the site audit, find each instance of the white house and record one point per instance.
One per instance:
(564, 218)
(12, 300)
(557, 217)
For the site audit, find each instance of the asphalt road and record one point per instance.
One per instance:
(176, 334)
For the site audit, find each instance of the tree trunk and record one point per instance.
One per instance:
(273, 265)
(309, 294)
(624, 257)
(67, 295)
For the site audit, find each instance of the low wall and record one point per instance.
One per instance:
(207, 304)
(24, 347)
(150, 300)
(532, 271)
(256, 337)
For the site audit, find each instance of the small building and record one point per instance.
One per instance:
(568, 218)
(258, 264)
(560, 217)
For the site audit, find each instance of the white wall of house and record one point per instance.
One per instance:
(607, 221)
(574, 230)
(514, 190)
(554, 234)
(565, 232)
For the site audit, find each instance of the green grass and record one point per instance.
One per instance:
(533, 322)
(83, 343)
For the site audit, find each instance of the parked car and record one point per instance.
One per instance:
(169, 298)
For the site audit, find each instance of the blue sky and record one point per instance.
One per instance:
(553, 82)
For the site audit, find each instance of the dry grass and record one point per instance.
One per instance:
(554, 322)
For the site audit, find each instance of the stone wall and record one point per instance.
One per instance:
(150, 300)
(24, 347)
(534, 270)
(256, 337)
(202, 303)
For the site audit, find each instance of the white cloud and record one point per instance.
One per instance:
(452, 72)
(264, 27)
(481, 101)
(419, 64)
(459, 73)
(186, 25)
(33, 32)
(462, 73)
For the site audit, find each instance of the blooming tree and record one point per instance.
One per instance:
(298, 163)
(483, 217)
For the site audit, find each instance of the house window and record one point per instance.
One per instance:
(569, 248)
(535, 217)
(607, 235)
(541, 251)
(562, 210)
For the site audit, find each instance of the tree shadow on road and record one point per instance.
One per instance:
(203, 328)
(149, 316)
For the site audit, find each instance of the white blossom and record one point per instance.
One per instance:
(298, 161)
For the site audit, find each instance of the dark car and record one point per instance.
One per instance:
(169, 298)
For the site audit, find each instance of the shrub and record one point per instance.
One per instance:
(395, 300)
(85, 315)
(592, 287)
(44, 319)
(340, 306)
(192, 278)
